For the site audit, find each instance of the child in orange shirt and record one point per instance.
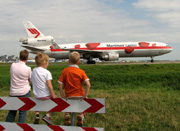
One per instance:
(72, 78)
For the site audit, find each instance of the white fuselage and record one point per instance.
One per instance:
(124, 49)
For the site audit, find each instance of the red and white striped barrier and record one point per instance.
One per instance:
(52, 105)
(6, 126)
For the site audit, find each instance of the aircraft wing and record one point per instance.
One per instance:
(32, 48)
(55, 46)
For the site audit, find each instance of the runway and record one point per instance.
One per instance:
(134, 63)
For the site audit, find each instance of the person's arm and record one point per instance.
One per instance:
(49, 84)
(88, 85)
(29, 76)
(60, 85)
(29, 80)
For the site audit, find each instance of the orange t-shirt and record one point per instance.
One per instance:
(72, 78)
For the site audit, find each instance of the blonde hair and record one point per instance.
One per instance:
(74, 57)
(41, 59)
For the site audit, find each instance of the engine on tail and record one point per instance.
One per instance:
(42, 41)
(110, 57)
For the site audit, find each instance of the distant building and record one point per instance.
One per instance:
(6, 58)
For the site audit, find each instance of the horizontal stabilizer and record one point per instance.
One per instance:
(32, 48)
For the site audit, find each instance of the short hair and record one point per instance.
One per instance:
(23, 55)
(74, 57)
(41, 59)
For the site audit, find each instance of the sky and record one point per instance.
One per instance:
(72, 21)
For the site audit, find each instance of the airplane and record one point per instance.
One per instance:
(109, 51)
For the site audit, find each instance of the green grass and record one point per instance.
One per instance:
(138, 97)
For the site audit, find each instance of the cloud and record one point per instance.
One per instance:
(158, 5)
(165, 11)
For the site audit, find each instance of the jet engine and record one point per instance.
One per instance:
(42, 41)
(110, 56)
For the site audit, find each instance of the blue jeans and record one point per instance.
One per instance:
(22, 114)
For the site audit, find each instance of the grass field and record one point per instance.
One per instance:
(138, 97)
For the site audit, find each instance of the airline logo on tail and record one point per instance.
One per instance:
(34, 31)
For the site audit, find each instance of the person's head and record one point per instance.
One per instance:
(74, 57)
(23, 55)
(42, 60)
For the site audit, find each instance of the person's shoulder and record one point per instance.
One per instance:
(28, 66)
(34, 69)
(23, 64)
(41, 69)
(47, 71)
(13, 64)
(66, 69)
(38, 69)
(80, 70)
(44, 69)
(75, 68)
(16, 64)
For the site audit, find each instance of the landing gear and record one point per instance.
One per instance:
(152, 60)
(91, 62)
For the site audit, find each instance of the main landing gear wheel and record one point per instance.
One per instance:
(152, 60)
(91, 62)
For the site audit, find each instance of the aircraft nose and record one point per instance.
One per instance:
(169, 49)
